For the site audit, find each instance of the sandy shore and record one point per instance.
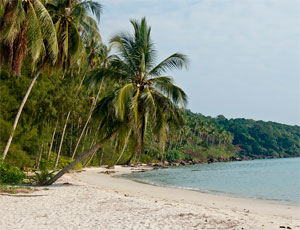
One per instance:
(96, 200)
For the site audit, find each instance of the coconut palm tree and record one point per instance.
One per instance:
(144, 94)
(26, 30)
(141, 94)
(73, 26)
(98, 55)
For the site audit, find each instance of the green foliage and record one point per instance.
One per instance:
(40, 178)
(19, 158)
(145, 158)
(63, 162)
(174, 155)
(15, 189)
(259, 139)
(10, 174)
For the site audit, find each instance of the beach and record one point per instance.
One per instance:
(96, 199)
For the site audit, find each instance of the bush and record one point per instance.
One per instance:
(146, 158)
(174, 155)
(10, 174)
(63, 162)
(40, 178)
(19, 158)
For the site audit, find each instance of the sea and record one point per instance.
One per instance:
(273, 180)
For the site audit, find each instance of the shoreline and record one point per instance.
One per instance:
(91, 175)
(217, 193)
(216, 160)
(94, 198)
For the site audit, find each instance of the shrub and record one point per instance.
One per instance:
(10, 174)
(63, 162)
(174, 155)
(40, 178)
(146, 158)
(19, 158)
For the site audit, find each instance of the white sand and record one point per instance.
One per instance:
(99, 201)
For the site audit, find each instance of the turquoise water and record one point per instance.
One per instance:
(273, 179)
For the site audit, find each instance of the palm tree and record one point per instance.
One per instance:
(26, 29)
(109, 126)
(98, 55)
(73, 26)
(144, 94)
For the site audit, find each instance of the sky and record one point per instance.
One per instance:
(244, 54)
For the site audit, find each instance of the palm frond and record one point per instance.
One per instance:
(34, 34)
(92, 6)
(124, 44)
(47, 28)
(177, 61)
(123, 97)
(172, 91)
(11, 21)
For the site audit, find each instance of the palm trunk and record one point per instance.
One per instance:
(52, 140)
(129, 160)
(71, 132)
(84, 140)
(88, 161)
(82, 80)
(88, 120)
(61, 140)
(79, 159)
(139, 146)
(124, 147)
(170, 145)
(40, 156)
(101, 158)
(19, 113)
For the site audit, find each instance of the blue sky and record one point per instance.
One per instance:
(244, 53)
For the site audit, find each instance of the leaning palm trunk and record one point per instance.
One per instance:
(19, 113)
(52, 140)
(40, 156)
(101, 158)
(89, 160)
(124, 147)
(88, 120)
(61, 141)
(79, 159)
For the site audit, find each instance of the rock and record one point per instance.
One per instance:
(110, 167)
(139, 170)
(108, 172)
